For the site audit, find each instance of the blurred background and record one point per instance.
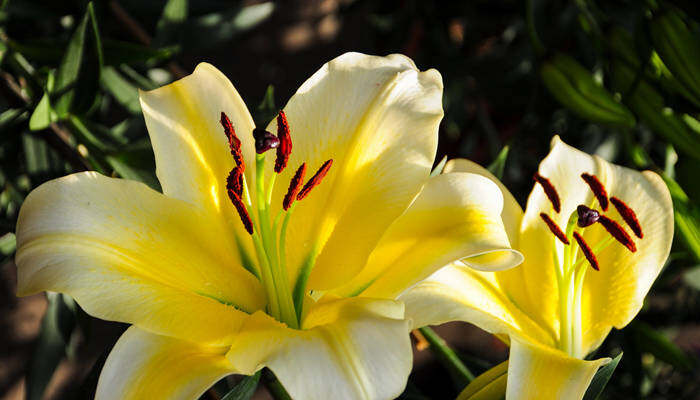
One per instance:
(617, 78)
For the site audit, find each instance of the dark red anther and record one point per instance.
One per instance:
(264, 140)
(628, 215)
(554, 228)
(618, 232)
(315, 180)
(587, 251)
(598, 189)
(549, 191)
(294, 186)
(235, 181)
(285, 147)
(242, 212)
(586, 216)
(233, 142)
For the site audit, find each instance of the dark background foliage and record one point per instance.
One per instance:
(626, 90)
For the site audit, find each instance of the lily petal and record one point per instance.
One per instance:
(349, 349)
(128, 253)
(614, 295)
(143, 365)
(458, 293)
(539, 372)
(377, 118)
(457, 216)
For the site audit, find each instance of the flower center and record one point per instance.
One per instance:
(268, 234)
(570, 267)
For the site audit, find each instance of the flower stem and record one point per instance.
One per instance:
(460, 373)
(274, 386)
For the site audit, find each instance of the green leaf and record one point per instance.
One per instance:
(123, 91)
(10, 117)
(692, 277)
(212, 29)
(245, 388)
(266, 110)
(499, 164)
(56, 328)
(118, 52)
(169, 28)
(135, 164)
(36, 155)
(41, 117)
(686, 217)
(491, 385)
(8, 244)
(601, 378)
(659, 346)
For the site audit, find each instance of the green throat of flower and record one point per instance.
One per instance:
(269, 234)
(571, 266)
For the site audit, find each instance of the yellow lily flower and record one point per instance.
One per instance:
(240, 263)
(559, 305)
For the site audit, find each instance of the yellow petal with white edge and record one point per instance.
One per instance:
(458, 293)
(144, 365)
(537, 372)
(351, 348)
(457, 216)
(614, 295)
(128, 253)
(377, 118)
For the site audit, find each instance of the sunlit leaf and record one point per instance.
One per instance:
(245, 388)
(601, 378)
(123, 91)
(499, 164)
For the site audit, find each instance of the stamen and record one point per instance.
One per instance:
(549, 191)
(234, 181)
(285, 147)
(586, 216)
(617, 232)
(315, 180)
(264, 140)
(598, 189)
(587, 251)
(233, 142)
(628, 215)
(242, 212)
(294, 186)
(554, 228)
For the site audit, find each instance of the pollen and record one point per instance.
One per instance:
(233, 142)
(242, 212)
(549, 190)
(315, 180)
(234, 181)
(554, 228)
(294, 186)
(598, 189)
(587, 251)
(285, 147)
(618, 232)
(628, 215)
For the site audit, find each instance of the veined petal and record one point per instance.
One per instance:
(377, 118)
(457, 216)
(128, 253)
(537, 372)
(144, 365)
(458, 293)
(349, 349)
(191, 150)
(614, 295)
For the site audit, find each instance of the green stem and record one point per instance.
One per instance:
(448, 357)
(531, 30)
(274, 386)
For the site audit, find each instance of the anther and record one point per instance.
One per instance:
(264, 140)
(554, 228)
(549, 191)
(233, 142)
(628, 215)
(285, 147)
(242, 212)
(234, 181)
(618, 232)
(598, 189)
(294, 186)
(586, 216)
(315, 180)
(587, 251)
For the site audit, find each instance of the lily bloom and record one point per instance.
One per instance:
(594, 236)
(246, 260)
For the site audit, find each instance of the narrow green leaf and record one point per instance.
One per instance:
(8, 244)
(491, 385)
(657, 344)
(118, 52)
(41, 117)
(36, 155)
(123, 91)
(136, 164)
(69, 70)
(461, 375)
(686, 217)
(169, 28)
(10, 117)
(692, 277)
(601, 378)
(266, 110)
(499, 164)
(245, 388)
(212, 29)
(56, 328)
